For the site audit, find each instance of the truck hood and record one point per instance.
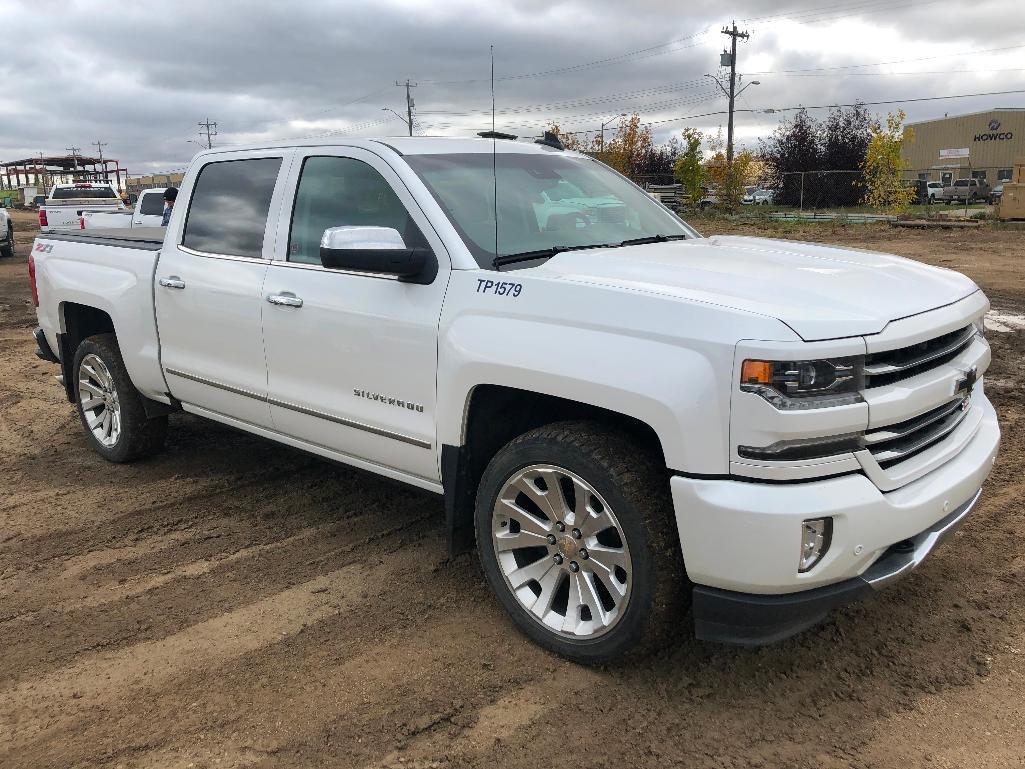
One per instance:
(821, 292)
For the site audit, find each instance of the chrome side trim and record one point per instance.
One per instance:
(218, 385)
(894, 565)
(402, 437)
(351, 423)
(228, 257)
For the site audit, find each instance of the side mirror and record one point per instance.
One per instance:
(378, 250)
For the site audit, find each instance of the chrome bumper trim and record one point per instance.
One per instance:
(897, 563)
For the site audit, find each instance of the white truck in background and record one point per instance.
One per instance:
(63, 208)
(6, 234)
(625, 417)
(148, 212)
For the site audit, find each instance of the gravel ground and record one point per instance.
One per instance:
(236, 603)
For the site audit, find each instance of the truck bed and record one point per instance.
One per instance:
(142, 238)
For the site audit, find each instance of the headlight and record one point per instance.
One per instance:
(805, 384)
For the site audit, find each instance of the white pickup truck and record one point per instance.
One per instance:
(148, 212)
(6, 234)
(625, 416)
(63, 209)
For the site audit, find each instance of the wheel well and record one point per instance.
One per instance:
(494, 416)
(80, 323)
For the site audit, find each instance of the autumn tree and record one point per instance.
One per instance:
(570, 141)
(729, 181)
(626, 149)
(884, 166)
(689, 170)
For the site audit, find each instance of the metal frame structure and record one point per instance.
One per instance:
(45, 170)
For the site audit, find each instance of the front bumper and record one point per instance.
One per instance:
(741, 539)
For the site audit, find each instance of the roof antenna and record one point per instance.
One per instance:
(492, 88)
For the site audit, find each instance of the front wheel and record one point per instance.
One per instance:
(575, 532)
(109, 406)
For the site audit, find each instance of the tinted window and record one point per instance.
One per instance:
(77, 193)
(229, 206)
(340, 192)
(152, 204)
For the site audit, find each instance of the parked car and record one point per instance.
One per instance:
(996, 193)
(62, 210)
(971, 189)
(148, 212)
(6, 234)
(920, 189)
(757, 196)
(624, 416)
(934, 191)
(708, 199)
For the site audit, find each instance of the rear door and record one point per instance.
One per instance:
(352, 357)
(209, 285)
(150, 211)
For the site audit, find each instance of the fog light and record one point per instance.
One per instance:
(815, 537)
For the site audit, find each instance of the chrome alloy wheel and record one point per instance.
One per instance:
(561, 551)
(99, 400)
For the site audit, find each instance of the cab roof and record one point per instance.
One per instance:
(404, 145)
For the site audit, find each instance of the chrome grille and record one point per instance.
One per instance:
(895, 443)
(883, 368)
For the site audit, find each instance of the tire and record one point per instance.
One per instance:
(630, 522)
(109, 407)
(7, 249)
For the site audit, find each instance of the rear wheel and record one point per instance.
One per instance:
(7, 247)
(575, 533)
(109, 406)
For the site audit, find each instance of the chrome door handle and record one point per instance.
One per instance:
(285, 300)
(172, 282)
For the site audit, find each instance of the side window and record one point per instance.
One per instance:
(229, 207)
(340, 192)
(1004, 175)
(152, 204)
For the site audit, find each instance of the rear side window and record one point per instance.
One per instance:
(79, 193)
(152, 204)
(229, 207)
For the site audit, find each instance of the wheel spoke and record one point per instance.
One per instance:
(534, 571)
(90, 388)
(549, 586)
(94, 420)
(91, 403)
(107, 422)
(603, 561)
(507, 540)
(595, 523)
(540, 498)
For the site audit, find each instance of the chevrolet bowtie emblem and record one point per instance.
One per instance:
(967, 381)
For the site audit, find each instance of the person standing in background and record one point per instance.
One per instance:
(170, 195)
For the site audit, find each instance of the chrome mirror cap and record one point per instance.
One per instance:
(361, 239)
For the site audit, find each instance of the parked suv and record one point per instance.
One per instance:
(971, 189)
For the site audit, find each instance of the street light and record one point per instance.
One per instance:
(601, 141)
(396, 114)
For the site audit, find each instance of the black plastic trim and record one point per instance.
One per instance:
(767, 481)
(460, 499)
(747, 619)
(44, 352)
(67, 360)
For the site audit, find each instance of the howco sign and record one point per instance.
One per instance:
(994, 134)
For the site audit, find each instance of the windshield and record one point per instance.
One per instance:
(545, 201)
(77, 193)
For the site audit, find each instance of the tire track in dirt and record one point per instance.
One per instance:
(49, 636)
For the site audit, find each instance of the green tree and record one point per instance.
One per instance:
(689, 170)
(884, 167)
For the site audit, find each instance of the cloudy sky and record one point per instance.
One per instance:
(138, 76)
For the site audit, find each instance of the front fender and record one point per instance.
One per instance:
(655, 359)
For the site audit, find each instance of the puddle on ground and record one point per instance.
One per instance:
(1004, 322)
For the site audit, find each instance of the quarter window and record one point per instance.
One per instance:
(229, 207)
(343, 192)
(152, 204)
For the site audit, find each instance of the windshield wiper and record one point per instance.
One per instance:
(542, 253)
(651, 239)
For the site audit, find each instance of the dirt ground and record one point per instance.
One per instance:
(236, 603)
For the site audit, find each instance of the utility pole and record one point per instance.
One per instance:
(99, 151)
(73, 151)
(409, 103)
(209, 130)
(733, 35)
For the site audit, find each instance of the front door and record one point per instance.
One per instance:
(352, 357)
(209, 298)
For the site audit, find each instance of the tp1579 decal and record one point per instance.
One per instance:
(498, 287)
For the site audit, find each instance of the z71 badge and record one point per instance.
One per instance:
(498, 287)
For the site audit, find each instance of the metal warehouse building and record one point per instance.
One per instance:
(994, 139)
